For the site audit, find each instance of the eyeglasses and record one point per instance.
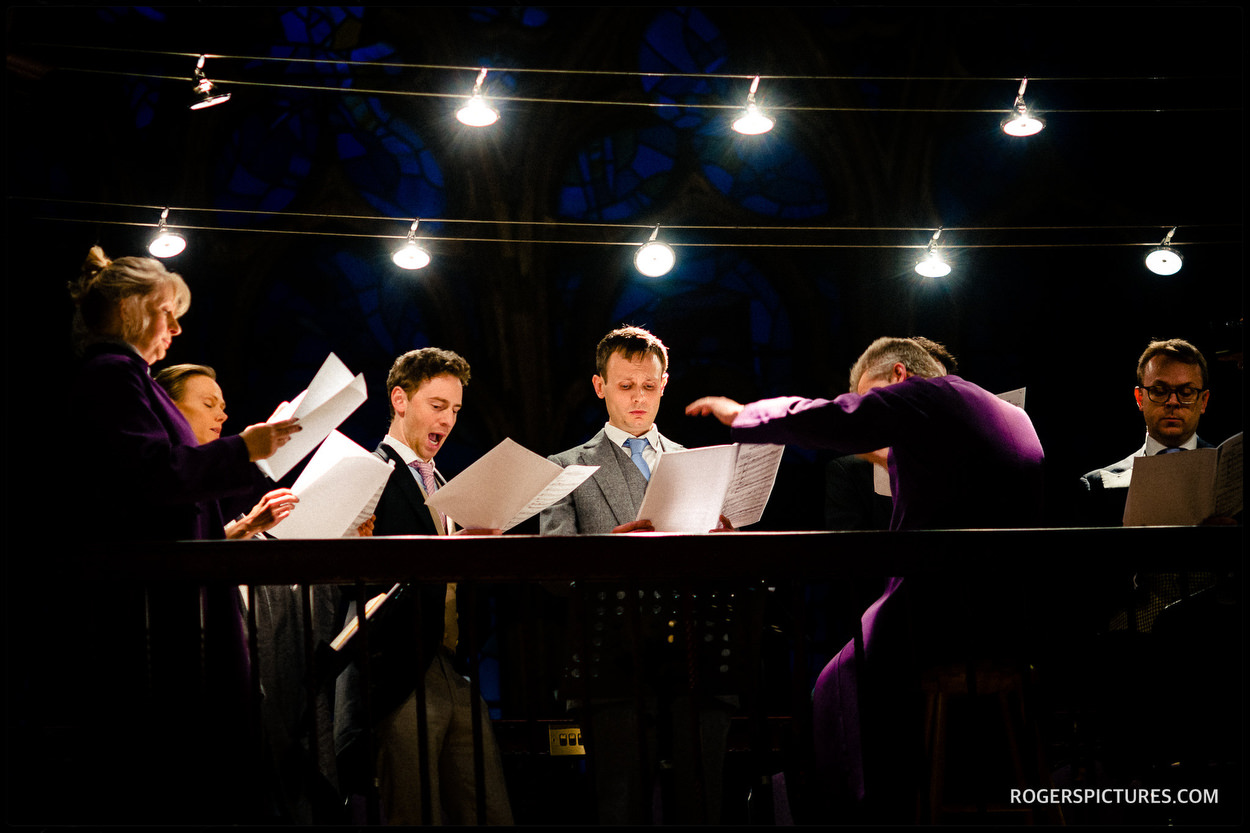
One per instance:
(1160, 394)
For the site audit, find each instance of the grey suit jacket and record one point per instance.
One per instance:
(609, 498)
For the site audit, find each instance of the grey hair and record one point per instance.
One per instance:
(886, 352)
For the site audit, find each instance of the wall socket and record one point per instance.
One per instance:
(566, 740)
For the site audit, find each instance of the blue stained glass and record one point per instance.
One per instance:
(266, 161)
(618, 176)
(529, 16)
(327, 28)
(112, 14)
(144, 101)
(316, 25)
(684, 40)
(534, 17)
(349, 146)
(393, 169)
(715, 285)
(766, 174)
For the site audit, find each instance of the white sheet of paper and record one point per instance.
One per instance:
(328, 400)
(506, 486)
(1229, 483)
(752, 484)
(338, 490)
(1015, 397)
(688, 488)
(1187, 487)
(881, 480)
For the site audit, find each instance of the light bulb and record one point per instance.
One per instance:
(753, 122)
(203, 89)
(1163, 260)
(1022, 124)
(477, 113)
(167, 244)
(933, 266)
(411, 256)
(654, 259)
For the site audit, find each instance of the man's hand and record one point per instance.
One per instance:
(721, 407)
(635, 526)
(723, 525)
(478, 532)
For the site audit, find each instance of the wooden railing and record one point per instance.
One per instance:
(785, 564)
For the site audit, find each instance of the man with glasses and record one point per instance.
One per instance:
(1172, 395)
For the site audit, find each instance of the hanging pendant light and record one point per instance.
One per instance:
(1021, 122)
(654, 258)
(753, 122)
(477, 113)
(932, 264)
(166, 243)
(411, 255)
(204, 90)
(1163, 259)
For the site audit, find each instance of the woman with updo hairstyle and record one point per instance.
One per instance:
(162, 669)
(145, 457)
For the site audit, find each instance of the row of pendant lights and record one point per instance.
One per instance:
(1162, 259)
(478, 112)
(655, 258)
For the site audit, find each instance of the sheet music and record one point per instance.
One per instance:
(1187, 487)
(688, 487)
(338, 491)
(506, 486)
(752, 484)
(329, 399)
(1229, 484)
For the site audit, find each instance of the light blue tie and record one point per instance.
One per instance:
(1168, 451)
(636, 445)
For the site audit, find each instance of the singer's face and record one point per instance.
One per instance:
(424, 420)
(632, 390)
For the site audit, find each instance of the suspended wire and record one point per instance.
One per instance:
(583, 224)
(635, 243)
(616, 73)
(795, 108)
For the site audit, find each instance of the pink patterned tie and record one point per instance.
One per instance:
(426, 470)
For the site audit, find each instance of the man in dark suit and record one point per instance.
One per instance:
(632, 372)
(1172, 394)
(425, 392)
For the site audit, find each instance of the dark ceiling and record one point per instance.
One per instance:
(795, 248)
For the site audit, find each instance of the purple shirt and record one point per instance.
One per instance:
(960, 457)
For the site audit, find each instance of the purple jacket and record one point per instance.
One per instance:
(149, 479)
(960, 456)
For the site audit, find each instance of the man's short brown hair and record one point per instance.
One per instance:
(633, 343)
(1176, 349)
(416, 367)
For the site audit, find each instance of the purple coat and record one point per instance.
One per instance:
(150, 479)
(960, 456)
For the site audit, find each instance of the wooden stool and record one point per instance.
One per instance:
(991, 684)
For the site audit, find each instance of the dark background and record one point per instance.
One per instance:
(794, 249)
